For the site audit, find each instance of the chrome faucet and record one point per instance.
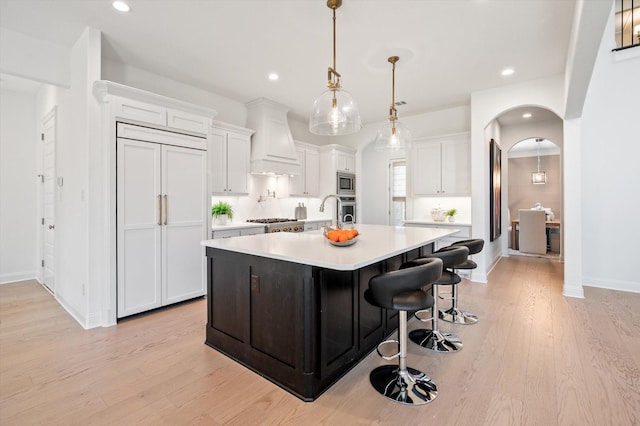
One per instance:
(339, 219)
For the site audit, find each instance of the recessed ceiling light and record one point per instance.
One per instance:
(273, 76)
(121, 6)
(507, 71)
(526, 115)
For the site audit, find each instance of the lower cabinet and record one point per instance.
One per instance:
(161, 220)
(227, 233)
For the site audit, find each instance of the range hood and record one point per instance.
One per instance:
(272, 148)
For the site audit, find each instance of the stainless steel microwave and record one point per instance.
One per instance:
(346, 184)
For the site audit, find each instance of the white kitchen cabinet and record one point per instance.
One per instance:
(229, 160)
(345, 161)
(307, 184)
(161, 219)
(237, 232)
(156, 114)
(333, 159)
(316, 225)
(441, 166)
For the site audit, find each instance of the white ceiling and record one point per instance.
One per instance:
(448, 48)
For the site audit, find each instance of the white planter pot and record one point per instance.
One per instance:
(451, 218)
(222, 219)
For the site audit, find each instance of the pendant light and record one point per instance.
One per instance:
(393, 136)
(539, 178)
(334, 112)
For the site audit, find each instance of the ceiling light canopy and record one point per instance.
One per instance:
(334, 112)
(121, 6)
(393, 136)
(539, 178)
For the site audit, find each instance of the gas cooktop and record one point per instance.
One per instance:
(271, 220)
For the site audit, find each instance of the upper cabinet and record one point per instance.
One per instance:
(229, 159)
(441, 166)
(345, 161)
(335, 158)
(307, 183)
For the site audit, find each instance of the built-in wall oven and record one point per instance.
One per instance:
(347, 211)
(346, 184)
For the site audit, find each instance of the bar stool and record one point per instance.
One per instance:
(434, 339)
(402, 290)
(453, 314)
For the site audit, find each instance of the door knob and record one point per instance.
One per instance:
(52, 226)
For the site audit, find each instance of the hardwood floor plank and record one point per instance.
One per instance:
(535, 357)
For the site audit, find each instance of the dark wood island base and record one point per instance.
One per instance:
(300, 326)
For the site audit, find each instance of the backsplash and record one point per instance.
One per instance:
(419, 208)
(281, 205)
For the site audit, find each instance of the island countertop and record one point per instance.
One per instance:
(375, 243)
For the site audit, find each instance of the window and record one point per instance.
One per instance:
(627, 23)
(398, 191)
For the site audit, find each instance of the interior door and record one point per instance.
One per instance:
(48, 200)
(185, 222)
(139, 225)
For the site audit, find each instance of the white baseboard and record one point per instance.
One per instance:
(18, 276)
(629, 286)
(573, 291)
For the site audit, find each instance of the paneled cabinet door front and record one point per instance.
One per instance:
(184, 223)
(138, 226)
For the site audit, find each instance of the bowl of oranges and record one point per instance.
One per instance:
(342, 237)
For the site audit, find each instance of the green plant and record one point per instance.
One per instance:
(452, 212)
(222, 208)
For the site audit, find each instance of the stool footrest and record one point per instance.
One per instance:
(388, 342)
(405, 386)
(456, 316)
(420, 315)
(436, 340)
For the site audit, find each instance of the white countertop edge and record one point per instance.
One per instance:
(433, 222)
(237, 225)
(247, 248)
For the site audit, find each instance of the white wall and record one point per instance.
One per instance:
(610, 148)
(34, 59)
(18, 187)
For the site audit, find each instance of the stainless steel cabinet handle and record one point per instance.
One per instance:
(159, 209)
(166, 210)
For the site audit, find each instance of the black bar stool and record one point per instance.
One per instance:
(453, 314)
(403, 290)
(434, 339)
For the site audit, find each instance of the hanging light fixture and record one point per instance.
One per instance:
(393, 136)
(334, 112)
(539, 178)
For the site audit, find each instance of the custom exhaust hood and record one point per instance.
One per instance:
(272, 148)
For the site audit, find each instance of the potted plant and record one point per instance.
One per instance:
(221, 211)
(451, 213)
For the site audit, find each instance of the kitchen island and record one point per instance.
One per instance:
(291, 306)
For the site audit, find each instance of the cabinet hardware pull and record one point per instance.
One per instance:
(166, 209)
(159, 209)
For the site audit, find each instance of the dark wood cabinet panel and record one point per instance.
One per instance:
(229, 296)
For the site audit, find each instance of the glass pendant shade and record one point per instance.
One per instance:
(393, 136)
(538, 178)
(334, 113)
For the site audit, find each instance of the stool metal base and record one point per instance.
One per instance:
(408, 387)
(436, 340)
(457, 316)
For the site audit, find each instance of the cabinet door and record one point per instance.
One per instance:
(345, 162)
(425, 165)
(312, 173)
(217, 159)
(139, 227)
(184, 223)
(238, 163)
(456, 168)
(297, 183)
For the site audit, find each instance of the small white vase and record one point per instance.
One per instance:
(222, 219)
(451, 218)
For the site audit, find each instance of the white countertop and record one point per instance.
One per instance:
(433, 222)
(375, 243)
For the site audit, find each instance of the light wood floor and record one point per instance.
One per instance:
(535, 358)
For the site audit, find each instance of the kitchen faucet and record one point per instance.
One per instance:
(339, 219)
